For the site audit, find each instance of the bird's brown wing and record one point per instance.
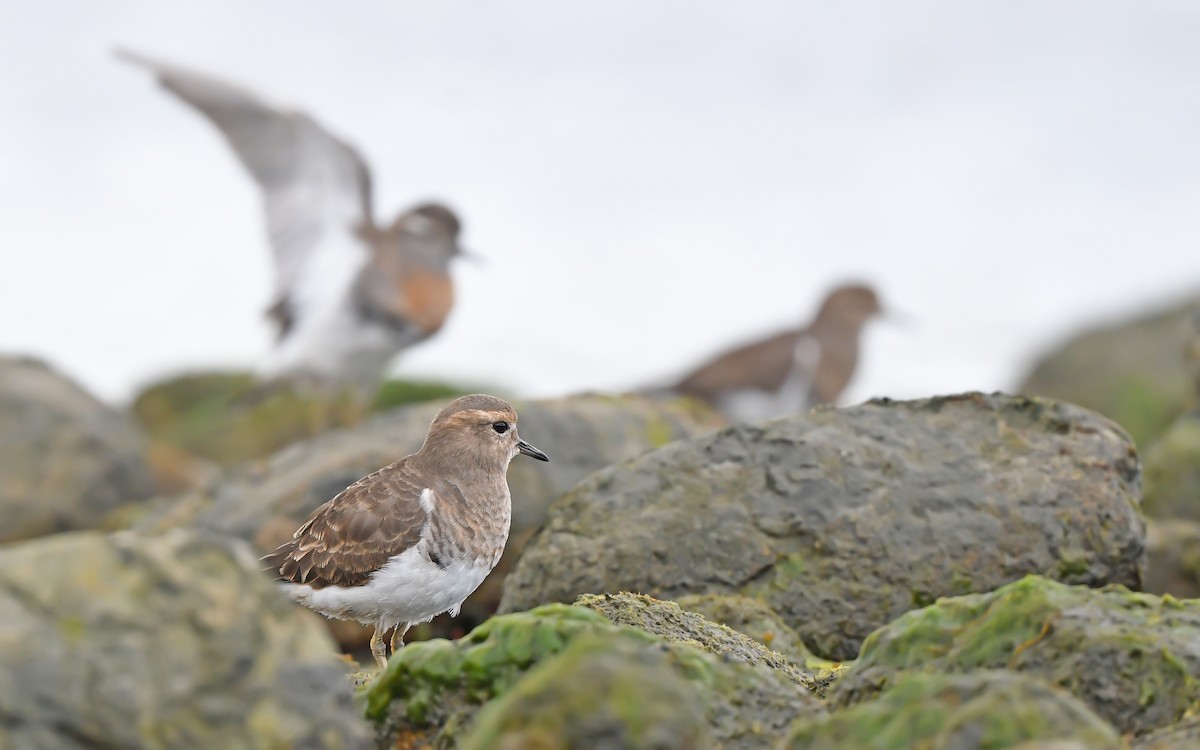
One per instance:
(355, 533)
(762, 364)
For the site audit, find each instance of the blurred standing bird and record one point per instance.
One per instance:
(350, 294)
(413, 539)
(791, 371)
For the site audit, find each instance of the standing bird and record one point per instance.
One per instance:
(791, 371)
(349, 294)
(413, 539)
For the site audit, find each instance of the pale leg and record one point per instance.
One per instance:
(398, 636)
(378, 648)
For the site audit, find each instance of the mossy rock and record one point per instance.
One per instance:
(1183, 736)
(233, 417)
(669, 621)
(595, 694)
(435, 688)
(986, 710)
(1131, 371)
(1133, 658)
(1171, 472)
(752, 617)
(1173, 558)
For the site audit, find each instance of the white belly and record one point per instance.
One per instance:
(407, 589)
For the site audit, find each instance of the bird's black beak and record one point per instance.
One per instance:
(530, 451)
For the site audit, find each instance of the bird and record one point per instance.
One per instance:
(415, 538)
(790, 371)
(350, 293)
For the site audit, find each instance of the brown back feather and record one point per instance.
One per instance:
(350, 537)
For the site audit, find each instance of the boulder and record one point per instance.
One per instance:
(1173, 558)
(66, 460)
(843, 519)
(176, 641)
(232, 417)
(1172, 472)
(264, 502)
(984, 709)
(751, 617)
(1183, 736)
(1132, 371)
(1133, 658)
(527, 678)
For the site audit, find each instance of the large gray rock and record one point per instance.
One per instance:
(843, 519)
(1133, 658)
(66, 460)
(1131, 370)
(125, 641)
(265, 502)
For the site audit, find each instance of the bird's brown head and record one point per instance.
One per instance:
(477, 429)
(849, 305)
(434, 227)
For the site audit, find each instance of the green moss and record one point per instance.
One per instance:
(394, 393)
(940, 712)
(1133, 657)
(658, 431)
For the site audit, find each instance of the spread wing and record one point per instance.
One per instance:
(355, 533)
(763, 365)
(316, 188)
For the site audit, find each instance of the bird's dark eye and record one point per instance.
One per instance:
(500, 427)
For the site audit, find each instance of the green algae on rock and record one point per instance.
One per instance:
(594, 694)
(1133, 658)
(669, 621)
(438, 686)
(1172, 472)
(986, 709)
(843, 519)
(177, 641)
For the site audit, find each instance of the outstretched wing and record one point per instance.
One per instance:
(316, 188)
(355, 533)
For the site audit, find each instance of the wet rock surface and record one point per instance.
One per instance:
(1133, 658)
(538, 664)
(960, 712)
(66, 460)
(841, 520)
(171, 642)
(751, 617)
(1173, 558)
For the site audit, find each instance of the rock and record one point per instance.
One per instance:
(1172, 472)
(232, 417)
(843, 519)
(595, 695)
(1183, 736)
(1173, 558)
(265, 502)
(170, 642)
(955, 712)
(1131, 371)
(1133, 658)
(751, 617)
(66, 460)
(434, 689)
(675, 625)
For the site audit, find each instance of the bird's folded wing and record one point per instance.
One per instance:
(355, 533)
(762, 364)
(316, 188)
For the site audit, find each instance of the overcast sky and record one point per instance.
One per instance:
(648, 181)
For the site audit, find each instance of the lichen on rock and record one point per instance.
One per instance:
(1133, 658)
(987, 709)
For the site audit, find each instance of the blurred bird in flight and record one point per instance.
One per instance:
(791, 371)
(349, 293)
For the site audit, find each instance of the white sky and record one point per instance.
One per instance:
(649, 182)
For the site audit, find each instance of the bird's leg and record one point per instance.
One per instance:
(398, 636)
(378, 647)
